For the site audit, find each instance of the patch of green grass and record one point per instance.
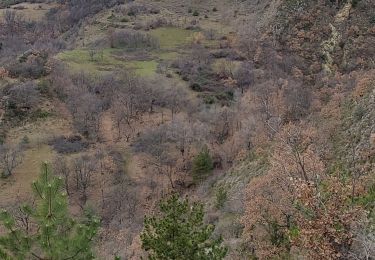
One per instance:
(82, 56)
(107, 61)
(166, 55)
(40, 114)
(101, 62)
(144, 68)
(171, 37)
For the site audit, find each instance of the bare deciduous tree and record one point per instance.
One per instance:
(244, 76)
(86, 109)
(23, 97)
(84, 168)
(11, 21)
(175, 99)
(181, 133)
(161, 157)
(61, 168)
(10, 157)
(122, 115)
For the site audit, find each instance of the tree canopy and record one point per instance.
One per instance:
(46, 231)
(179, 233)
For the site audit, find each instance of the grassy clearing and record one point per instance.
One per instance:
(38, 134)
(80, 60)
(166, 55)
(82, 56)
(18, 186)
(171, 37)
(144, 68)
(108, 59)
(102, 62)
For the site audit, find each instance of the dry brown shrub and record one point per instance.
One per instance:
(365, 83)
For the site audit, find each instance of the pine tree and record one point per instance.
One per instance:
(202, 164)
(179, 233)
(49, 232)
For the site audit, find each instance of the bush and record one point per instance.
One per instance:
(196, 87)
(111, 17)
(179, 232)
(359, 112)
(355, 3)
(296, 5)
(202, 164)
(156, 23)
(25, 140)
(2, 136)
(39, 114)
(195, 13)
(33, 70)
(8, 3)
(221, 197)
(22, 101)
(131, 13)
(44, 87)
(66, 145)
(124, 20)
(30, 65)
(209, 100)
(137, 9)
(225, 96)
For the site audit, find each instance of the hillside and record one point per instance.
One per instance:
(263, 111)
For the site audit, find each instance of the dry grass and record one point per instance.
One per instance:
(173, 41)
(30, 12)
(18, 186)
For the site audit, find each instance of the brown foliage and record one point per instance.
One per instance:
(323, 218)
(296, 208)
(272, 196)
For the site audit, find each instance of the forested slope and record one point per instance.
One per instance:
(262, 113)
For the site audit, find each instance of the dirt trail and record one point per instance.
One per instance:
(107, 129)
